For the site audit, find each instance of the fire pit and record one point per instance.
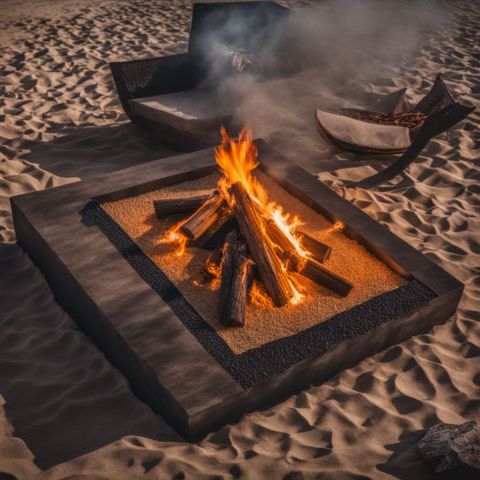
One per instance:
(248, 283)
(263, 265)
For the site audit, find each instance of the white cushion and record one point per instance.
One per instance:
(189, 110)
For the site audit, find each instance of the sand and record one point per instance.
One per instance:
(370, 276)
(68, 412)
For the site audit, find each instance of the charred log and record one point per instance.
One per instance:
(285, 248)
(217, 233)
(234, 314)
(228, 263)
(175, 206)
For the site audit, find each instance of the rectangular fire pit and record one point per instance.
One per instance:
(137, 300)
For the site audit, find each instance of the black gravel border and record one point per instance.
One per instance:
(265, 362)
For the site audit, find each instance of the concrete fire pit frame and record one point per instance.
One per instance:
(141, 334)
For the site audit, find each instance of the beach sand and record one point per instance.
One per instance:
(65, 412)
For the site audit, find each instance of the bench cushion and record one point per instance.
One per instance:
(188, 111)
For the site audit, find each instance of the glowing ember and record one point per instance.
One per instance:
(258, 296)
(213, 269)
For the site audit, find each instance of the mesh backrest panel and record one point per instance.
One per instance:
(155, 76)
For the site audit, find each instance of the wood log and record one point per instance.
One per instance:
(285, 248)
(319, 251)
(309, 267)
(234, 314)
(216, 234)
(275, 279)
(174, 206)
(316, 272)
(228, 260)
(204, 217)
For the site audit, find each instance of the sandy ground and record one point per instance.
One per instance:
(60, 121)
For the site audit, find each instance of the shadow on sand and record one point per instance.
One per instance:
(406, 463)
(62, 396)
(89, 151)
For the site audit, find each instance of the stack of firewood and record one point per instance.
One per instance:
(253, 246)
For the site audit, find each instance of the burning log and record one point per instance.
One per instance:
(316, 272)
(309, 267)
(217, 232)
(275, 279)
(174, 206)
(210, 213)
(287, 249)
(319, 251)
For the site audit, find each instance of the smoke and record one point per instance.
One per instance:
(325, 56)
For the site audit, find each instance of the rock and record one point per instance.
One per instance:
(453, 450)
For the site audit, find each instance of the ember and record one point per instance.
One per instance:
(264, 251)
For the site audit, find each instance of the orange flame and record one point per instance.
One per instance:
(259, 297)
(213, 269)
(338, 226)
(237, 159)
(174, 237)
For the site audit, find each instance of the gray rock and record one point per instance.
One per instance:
(453, 450)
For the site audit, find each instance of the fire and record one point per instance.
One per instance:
(271, 235)
(213, 269)
(338, 226)
(258, 296)
(174, 237)
(237, 159)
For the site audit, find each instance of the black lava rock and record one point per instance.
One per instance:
(453, 450)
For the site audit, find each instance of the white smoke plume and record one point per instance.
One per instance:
(340, 48)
